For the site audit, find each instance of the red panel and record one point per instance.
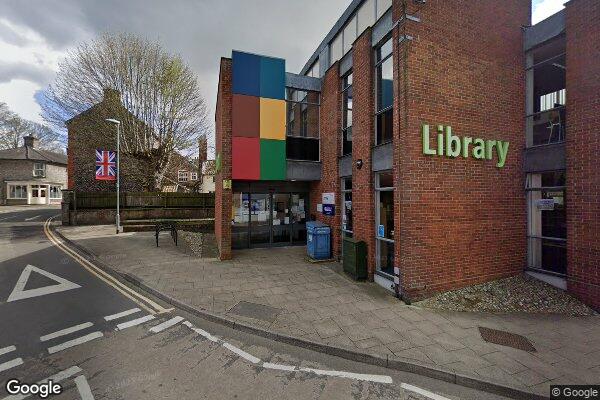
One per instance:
(246, 158)
(245, 115)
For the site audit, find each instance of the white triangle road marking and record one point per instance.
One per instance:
(19, 292)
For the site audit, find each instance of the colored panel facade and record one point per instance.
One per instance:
(245, 158)
(258, 117)
(245, 116)
(272, 119)
(272, 78)
(272, 160)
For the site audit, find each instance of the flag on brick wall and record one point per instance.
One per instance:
(106, 166)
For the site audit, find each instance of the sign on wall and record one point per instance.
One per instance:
(328, 209)
(452, 146)
(328, 198)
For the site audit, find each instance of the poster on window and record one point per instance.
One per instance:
(545, 204)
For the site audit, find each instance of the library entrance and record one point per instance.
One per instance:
(268, 219)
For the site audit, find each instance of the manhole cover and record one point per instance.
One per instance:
(256, 311)
(508, 339)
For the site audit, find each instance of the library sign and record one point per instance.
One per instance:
(452, 146)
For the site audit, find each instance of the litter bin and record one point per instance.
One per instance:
(318, 244)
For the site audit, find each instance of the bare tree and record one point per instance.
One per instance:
(13, 128)
(156, 88)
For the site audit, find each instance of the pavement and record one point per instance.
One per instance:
(278, 291)
(64, 319)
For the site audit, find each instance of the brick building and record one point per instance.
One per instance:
(438, 130)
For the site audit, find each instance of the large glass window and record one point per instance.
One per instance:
(347, 114)
(55, 192)
(302, 125)
(347, 229)
(547, 222)
(17, 191)
(384, 222)
(384, 90)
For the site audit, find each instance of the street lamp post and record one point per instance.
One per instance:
(118, 219)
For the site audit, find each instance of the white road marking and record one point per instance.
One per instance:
(84, 388)
(8, 349)
(32, 218)
(75, 342)
(280, 367)
(422, 392)
(350, 375)
(61, 376)
(19, 292)
(166, 324)
(11, 364)
(241, 353)
(134, 322)
(202, 332)
(121, 314)
(66, 331)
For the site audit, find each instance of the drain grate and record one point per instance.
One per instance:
(508, 339)
(256, 311)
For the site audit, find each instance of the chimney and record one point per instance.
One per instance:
(112, 96)
(31, 141)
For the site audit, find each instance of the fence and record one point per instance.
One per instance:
(128, 200)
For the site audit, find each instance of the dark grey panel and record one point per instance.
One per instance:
(543, 31)
(323, 61)
(302, 82)
(270, 186)
(382, 27)
(345, 165)
(383, 157)
(346, 64)
(303, 170)
(545, 158)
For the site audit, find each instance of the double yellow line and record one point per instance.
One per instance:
(144, 302)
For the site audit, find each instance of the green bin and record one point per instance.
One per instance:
(355, 258)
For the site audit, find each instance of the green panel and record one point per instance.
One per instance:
(272, 160)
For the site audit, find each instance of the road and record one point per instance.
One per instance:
(61, 319)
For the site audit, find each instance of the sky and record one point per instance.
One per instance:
(36, 34)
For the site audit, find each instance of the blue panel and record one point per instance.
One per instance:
(272, 78)
(246, 74)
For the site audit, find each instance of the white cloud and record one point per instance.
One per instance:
(545, 8)
(18, 94)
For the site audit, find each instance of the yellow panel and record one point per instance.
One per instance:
(272, 119)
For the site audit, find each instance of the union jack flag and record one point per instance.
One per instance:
(106, 167)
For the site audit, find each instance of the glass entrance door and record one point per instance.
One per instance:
(260, 219)
(298, 210)
(282, 226)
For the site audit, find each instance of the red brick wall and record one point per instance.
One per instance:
(461, 221)
(330, 132)
(223, 197)
(363, 138)
(583, 142)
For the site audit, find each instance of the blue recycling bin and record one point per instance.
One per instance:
(318, 243)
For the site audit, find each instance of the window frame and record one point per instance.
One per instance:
(378, 189)
(377, 65)
(59, 191)
(345, 88)
(9, 194)
(343, 191)
(36, 169)
(182, 176)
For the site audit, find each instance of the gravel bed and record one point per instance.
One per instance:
(521, 293)
(200, 244)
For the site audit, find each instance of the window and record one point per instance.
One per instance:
(382, 7)
(17, 191)
(302, 125)
(366, 15)
(384, 222)
(384, 90)
(55, 192)
(349, 35)
(547, 222)
(347, 115)
(182, 176)
(347, 207)
(335, 49)
(39, 169)
(193, 176)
